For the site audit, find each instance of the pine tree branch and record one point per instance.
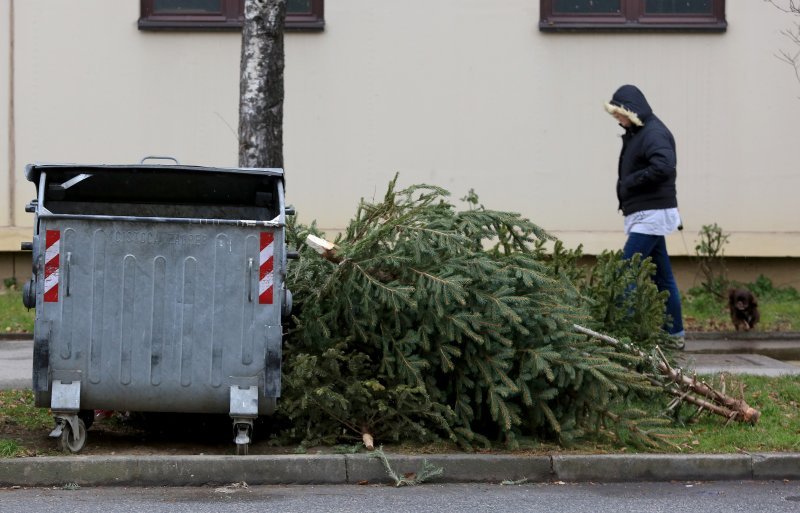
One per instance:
(741, 410)
(394, 292)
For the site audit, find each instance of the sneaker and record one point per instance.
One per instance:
(679, 339)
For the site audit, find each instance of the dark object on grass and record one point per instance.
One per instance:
(744, 309)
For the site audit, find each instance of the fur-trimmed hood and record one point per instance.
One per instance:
(647, 160)
(629, 101)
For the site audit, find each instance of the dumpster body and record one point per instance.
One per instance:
(157, 289)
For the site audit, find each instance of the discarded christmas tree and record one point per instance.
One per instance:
(427, 321)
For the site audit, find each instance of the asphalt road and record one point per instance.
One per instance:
(694, 497)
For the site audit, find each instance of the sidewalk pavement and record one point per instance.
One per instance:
(201, 470)
(16, 363)
(762, 354)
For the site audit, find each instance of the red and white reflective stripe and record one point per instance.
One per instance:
(51, 264)
(266, 277)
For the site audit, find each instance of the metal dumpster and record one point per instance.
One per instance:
(157, 288)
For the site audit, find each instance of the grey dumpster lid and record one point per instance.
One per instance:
(32, 171)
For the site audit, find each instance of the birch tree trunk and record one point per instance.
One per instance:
(261, 84)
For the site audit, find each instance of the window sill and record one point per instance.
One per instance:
(226, 26)
(566, 26)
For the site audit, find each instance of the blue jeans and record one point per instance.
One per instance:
(655, 247)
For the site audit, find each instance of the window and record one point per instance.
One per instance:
(222, 14)
(700, 15)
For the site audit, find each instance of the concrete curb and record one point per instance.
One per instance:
(654, 467)
(776, 466)
(361, 468)
(458, 468)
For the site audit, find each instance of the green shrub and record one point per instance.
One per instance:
(766, 291)
(624, 300)
(710, 254)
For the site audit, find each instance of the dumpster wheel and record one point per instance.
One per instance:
(70, 441)
(243, 429)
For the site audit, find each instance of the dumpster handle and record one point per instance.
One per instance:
(66, 278)
(250, 279)
(157, 157)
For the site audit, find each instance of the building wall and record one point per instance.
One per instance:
(484, 100)
(6, 158)
(15, 267)
(459, 93)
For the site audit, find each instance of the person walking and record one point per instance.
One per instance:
(646, 192)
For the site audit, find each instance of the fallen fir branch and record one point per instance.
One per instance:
(719, 403)
(426, 472)
(508, 482)
(639, 434)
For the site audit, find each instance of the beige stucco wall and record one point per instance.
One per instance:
(459, 93)
(5, 115)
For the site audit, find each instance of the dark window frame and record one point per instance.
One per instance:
(230, 17)
(631, 18)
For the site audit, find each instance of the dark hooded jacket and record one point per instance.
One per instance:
(647, 161)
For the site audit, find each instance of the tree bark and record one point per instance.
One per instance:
(261, 84)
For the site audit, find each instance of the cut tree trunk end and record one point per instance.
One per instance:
(325, 248)
(369, 443)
